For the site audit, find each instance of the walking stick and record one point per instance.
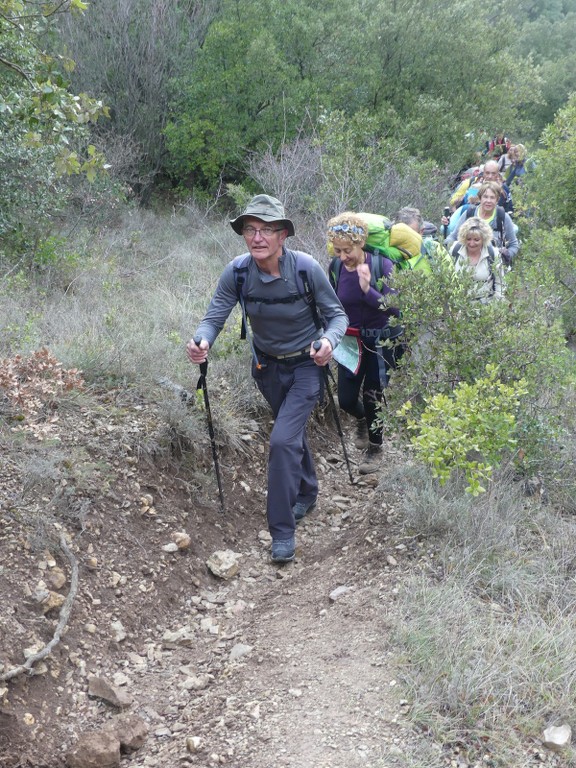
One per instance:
(316, 346)
(447, 215)
(203, 386)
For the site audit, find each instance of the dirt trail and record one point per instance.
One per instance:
(273, 667)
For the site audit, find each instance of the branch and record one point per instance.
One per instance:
(15, 68)
(62, 621)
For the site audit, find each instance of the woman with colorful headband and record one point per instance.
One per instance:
(368, 320)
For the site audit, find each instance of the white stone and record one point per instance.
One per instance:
(224, 563)
(239, 650)
(118, 630)
(338, 592)
(193, 743)
(557, 737)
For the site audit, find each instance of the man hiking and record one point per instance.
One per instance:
(289, 303)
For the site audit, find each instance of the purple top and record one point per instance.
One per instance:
(364, 310)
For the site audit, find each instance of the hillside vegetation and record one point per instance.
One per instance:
(121, 166)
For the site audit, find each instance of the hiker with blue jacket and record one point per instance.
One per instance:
(503, 228)
(362, 379)
(289, 304)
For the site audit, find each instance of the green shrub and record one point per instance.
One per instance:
(469, 430)
(453, 339)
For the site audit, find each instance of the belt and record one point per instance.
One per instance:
(388, 332)
(291, 356)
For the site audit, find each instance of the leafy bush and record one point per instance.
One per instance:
(467, 430)
(452, 339)
(550, 185)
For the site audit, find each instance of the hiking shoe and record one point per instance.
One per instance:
(302, 508)
(283, 550)
(373, 458)
(361, 434)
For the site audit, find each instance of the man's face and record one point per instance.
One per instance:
(491, 172)
(264, 239)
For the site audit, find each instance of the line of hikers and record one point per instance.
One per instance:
(297, 319)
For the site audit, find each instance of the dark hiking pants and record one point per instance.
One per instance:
(291, 390)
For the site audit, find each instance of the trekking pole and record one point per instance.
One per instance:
(316, 346)
(447, 215)
(203, 386)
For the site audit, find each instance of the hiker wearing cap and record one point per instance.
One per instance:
(289, 304)
(363, 299)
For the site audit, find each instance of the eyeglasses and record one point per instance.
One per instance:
(263, 231)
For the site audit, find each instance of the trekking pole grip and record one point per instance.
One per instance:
(317, 345)
(203, 366)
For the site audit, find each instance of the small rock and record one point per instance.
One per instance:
(119, 631)
(224, 563)
(193, 743)
(391, 560)
(239, 650)
(120, 679)
(338, 592)
(100, 749)
(130, 730)
(197, 682)
(184, 636)
(558, 737)
(57, 578)
(172, 547)
(181, 539)
(101, 688)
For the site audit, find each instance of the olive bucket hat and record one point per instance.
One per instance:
(266, 209)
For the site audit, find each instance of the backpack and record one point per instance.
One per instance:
(376, 271)
(491, 258)
(303, 264)
(500, 218)
(378, 242)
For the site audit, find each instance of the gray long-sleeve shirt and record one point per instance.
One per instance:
(278, 328)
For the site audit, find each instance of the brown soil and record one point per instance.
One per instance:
(316, 688)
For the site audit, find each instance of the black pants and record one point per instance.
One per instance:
(371, 379)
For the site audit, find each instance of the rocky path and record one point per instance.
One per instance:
(277, 665)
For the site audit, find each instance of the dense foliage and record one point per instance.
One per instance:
(199, 84)
(43, 124)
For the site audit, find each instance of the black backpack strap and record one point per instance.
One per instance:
(302, 271)
(240, 267)
(491, 260)
(377, 270)
(500, 218)
(334, 270)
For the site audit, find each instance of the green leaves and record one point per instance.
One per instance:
(469, 430)
(43, 124)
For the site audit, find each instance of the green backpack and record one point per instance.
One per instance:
(378, 241)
